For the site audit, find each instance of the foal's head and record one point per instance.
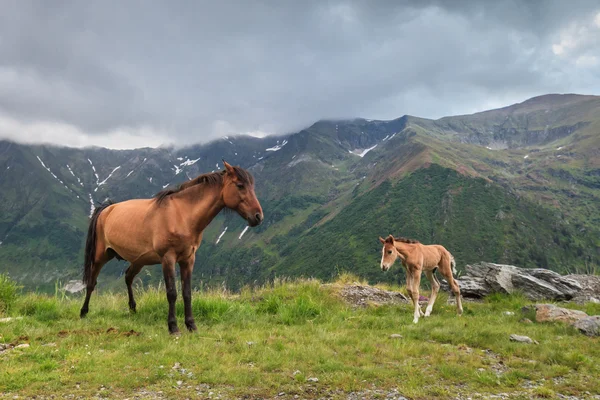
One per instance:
(238, 194)
(388, 253)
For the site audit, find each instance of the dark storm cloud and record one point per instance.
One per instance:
(148, 72)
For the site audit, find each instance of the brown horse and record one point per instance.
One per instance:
(416, 258)
(166, 230)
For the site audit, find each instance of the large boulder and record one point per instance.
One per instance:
(550, 312)
(589, 325)
(536, 284)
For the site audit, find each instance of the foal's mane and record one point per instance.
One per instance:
(405, 240)
(210, 179)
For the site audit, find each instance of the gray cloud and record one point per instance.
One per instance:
(125, 74)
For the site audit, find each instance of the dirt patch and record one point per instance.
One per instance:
(97, 332)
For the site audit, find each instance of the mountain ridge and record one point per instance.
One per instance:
(46, 192)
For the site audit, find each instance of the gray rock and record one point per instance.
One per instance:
(485, 278)
(395, 336)
(589, 325)
(8, 319)
(590, 288)
(550, 313)
(522, 339)
(74, 286)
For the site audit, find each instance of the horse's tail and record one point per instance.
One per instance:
(90, 243)
(452, 263)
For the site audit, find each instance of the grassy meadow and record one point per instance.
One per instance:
(274, 341)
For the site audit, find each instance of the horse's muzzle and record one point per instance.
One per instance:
(255, 220)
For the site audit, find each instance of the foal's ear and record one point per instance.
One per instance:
(229, 168)
(382, 240)
(390, 239)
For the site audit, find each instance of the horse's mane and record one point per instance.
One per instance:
(405, 240)
(210, 179)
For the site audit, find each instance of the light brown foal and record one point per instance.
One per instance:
(416, 258)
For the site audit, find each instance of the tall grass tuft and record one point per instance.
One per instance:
(8, 293)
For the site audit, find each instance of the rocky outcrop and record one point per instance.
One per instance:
(363, 295)
(590, 285)
(485, 278)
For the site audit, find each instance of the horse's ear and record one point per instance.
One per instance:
(229, 168)
(390, 239)
(382, 240)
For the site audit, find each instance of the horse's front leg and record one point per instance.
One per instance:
(168, 265)
(186, 269)
(416, 283)
(409, 286)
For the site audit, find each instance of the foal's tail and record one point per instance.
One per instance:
(90, 243)
(452, 263)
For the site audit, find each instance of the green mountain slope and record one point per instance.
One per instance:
(519, 185)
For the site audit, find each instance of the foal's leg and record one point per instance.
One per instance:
(415, 283)
(186, 269)
(435, 287)
(410, 276)
(168, 266)
(130, 274)
(91, 284)
(446, 270)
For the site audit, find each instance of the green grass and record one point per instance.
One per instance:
(252, 343)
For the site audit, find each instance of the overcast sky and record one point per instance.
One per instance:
(125, 74)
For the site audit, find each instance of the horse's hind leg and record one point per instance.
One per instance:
(130, 274)
(91, 285)
(446, 271)
(435, 287)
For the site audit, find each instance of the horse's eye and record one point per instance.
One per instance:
(389, 252)
(240, 185)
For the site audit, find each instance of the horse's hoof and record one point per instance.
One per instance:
(82, 314)
(174, 329)
(191, 325)
(415, 320)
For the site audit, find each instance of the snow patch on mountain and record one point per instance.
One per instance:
(362, 152)
(94, 169)
(187, 163)
(278, 146)
(109, 175)
(91, 205)
(221, 235)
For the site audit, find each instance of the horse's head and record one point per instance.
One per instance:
(388, 253)
(238, 194)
